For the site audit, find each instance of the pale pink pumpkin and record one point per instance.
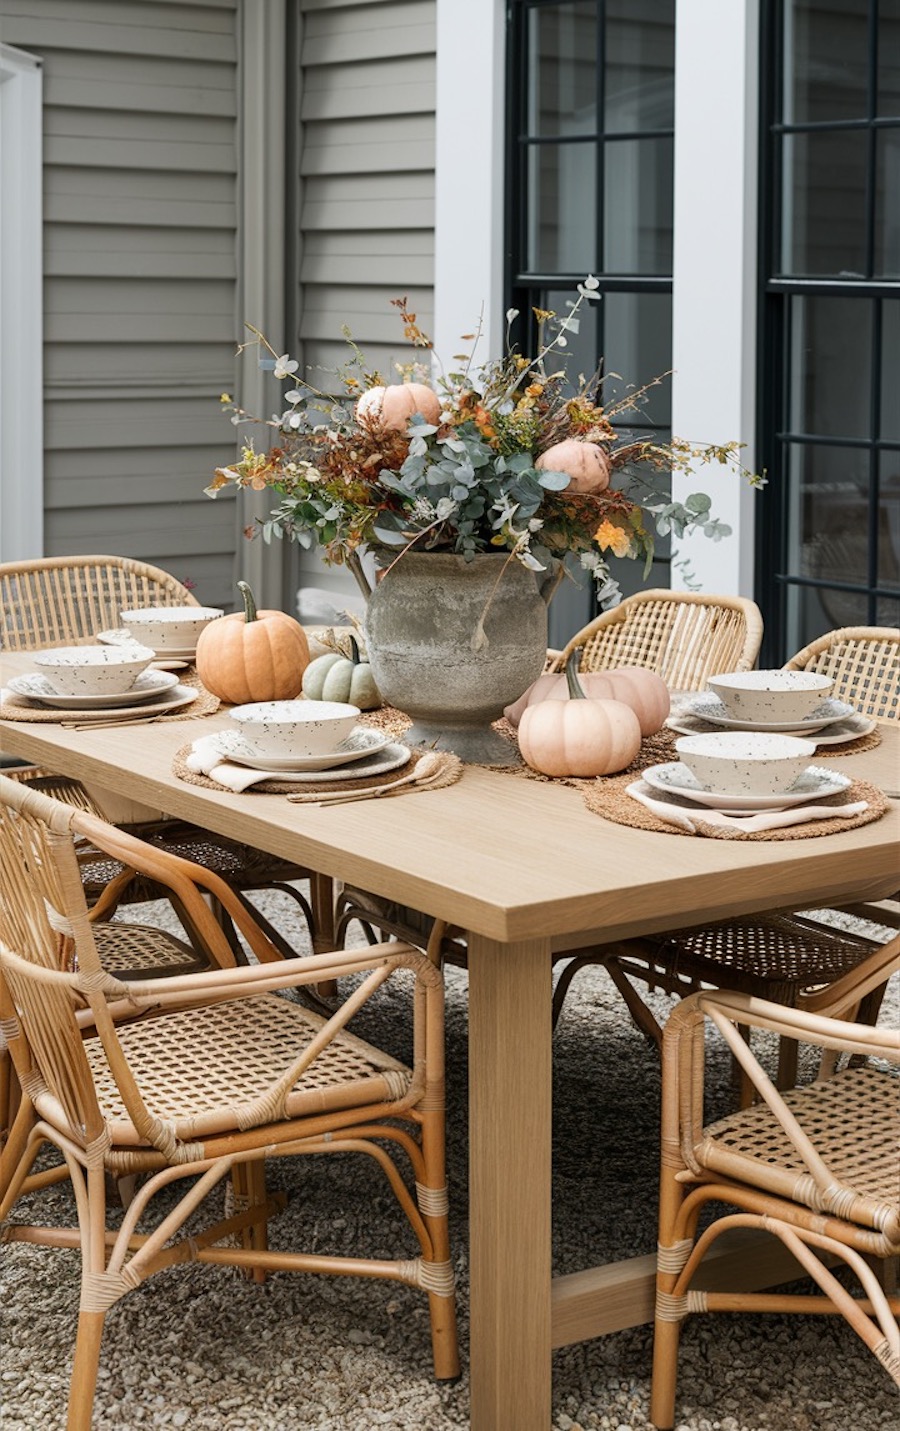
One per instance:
(586, 464)
(643, 690)
(580, 737)
(393, 406)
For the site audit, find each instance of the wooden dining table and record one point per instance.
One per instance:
(527, 871)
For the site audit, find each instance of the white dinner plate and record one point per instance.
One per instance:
(148, 686)
(121, 636)
(815, 783)
(837, 734)
(363, 741)
(707, 706)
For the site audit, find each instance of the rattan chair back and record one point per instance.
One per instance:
(682, 636)
(54, 600)
(223, 1076)
(816, 1167)
(864, 662)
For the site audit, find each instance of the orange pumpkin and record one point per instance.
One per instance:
(585, 463)
(643, 690)
(393, 406)
(253, 655)
(580, 736)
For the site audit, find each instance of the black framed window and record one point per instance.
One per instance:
(591, 126)
(829, 550)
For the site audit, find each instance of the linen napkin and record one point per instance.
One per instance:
(206, 759)
(675, 814)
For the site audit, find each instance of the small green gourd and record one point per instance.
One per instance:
(334, 677)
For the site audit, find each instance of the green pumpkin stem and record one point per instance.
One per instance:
(354, 650)
(576, 693)
(249, 603)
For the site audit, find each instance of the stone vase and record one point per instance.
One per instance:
(452, 642)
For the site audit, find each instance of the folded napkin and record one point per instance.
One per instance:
(675, 814)
(206, 759)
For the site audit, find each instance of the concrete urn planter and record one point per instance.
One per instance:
(452, 642)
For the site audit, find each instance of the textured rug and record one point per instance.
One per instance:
(202, 1347)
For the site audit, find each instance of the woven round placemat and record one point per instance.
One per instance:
(608, 797)
(206, 704)
(290, 787)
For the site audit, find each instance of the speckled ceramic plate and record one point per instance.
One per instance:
(390, 757)
(121, 636)
(837, 734)
(814, 784)
(150, 685)
(361, 743)
(707, 706)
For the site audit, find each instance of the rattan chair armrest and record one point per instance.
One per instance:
(287, 973)
(185, 879)
(814, 1028)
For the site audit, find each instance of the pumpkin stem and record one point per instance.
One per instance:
(354, 650)
(576, 692)
(249, 603)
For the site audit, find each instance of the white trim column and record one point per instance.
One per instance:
(715, 271)
(261, 251)
(469, 175)
(21, 307)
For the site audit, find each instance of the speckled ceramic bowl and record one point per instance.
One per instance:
(169, 628)
(771, 696)
(745, 762)
(295, 728)
(93, 670)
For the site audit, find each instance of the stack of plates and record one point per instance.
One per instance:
(830, 723)
(364, 752)
(159, 687)
(681, 785)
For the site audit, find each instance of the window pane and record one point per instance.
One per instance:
(887, 204)
(640, 63)
(889, 536)
(825, 60)
(637, 212)
(889, 59)
(584, 346)
(890, 371)
(830, 366)
(637, 347)
(562, 69)
(562, 208)
(828, 525)
(823, 227)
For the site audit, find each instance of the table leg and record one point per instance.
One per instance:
(321, 892)
(509, 1181)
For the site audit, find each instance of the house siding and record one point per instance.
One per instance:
(366, 217)
(140, 287)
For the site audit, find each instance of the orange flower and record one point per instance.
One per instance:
(608, 535)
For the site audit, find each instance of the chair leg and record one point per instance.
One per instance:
(666, 1336)
(84, 1370)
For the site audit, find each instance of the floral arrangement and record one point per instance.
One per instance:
(504, 457)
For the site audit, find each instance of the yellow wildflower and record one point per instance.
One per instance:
(608, 535)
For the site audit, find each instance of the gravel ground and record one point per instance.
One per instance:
(202, 1347)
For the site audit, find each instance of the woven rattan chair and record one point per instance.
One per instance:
(55, 600)
(864, 662)
(817, 1168)
(223, 1074)
(682, 636)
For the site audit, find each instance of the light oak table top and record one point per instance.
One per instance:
(524, 867)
